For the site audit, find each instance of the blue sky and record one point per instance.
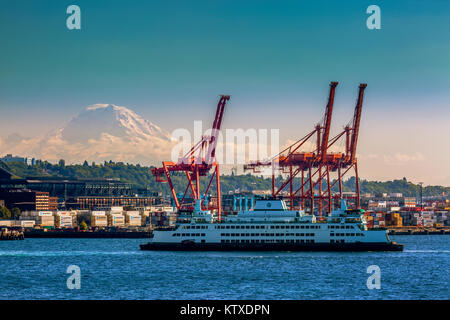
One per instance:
(168, 61)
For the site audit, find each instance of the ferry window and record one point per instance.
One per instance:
(228, 227)
(243, 234)
(203, 240)
(247, 227)
(232, 227)
(203, 234)
(271, 227)
(252, 227)
(222, 241)
(277, 227)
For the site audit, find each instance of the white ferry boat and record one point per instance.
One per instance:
(270, 226)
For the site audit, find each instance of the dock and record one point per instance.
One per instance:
(418, 231)
(87, 234)
(6, 234)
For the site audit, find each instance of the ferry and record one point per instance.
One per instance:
(271, 226)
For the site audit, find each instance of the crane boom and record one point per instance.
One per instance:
(327, 121)
(356, 122)
(210, 155)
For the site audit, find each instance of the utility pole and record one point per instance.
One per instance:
(421, 195)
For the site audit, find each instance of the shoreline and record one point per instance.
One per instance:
(411, 231)
(88, 234)
(147, 235)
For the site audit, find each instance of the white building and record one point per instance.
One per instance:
(116, 219)
(133, 218)
(99, 219)
(41, 218)
(65, 219)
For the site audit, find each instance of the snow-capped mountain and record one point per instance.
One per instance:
(102, 132)
(114, 120)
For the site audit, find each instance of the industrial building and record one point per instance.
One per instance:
(94, 202)
(41, 218)
(28, 200)
(62, 188)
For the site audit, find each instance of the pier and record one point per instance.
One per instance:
(6, 234)
(418, 231)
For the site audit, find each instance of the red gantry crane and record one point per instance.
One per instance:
(315, 167)
(197, 163)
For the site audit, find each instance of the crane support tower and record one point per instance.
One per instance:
(198, 162)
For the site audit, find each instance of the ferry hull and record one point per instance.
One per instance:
(166, 246)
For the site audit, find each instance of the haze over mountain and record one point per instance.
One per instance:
(102, 132)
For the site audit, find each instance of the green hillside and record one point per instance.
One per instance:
(140, 177)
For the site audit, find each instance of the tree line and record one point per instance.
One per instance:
(141, 178)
